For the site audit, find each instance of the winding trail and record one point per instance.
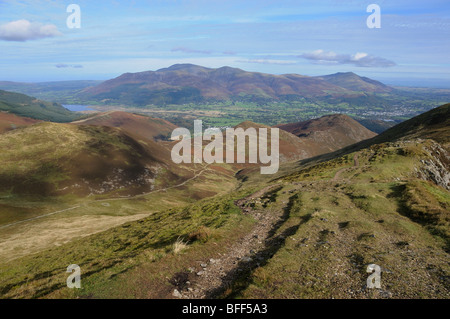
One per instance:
(213, 277)
(37, 217)
(339, 172)
(249, 252)
(108, 200)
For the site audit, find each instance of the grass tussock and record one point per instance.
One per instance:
(179, 246)
(201, 234)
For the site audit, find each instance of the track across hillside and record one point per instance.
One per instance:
(108, 200)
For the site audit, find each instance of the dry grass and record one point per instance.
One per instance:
(179, 245)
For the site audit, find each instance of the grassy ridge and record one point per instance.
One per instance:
(342, 215)
(337, 227)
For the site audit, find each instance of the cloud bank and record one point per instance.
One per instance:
(24, 30)
(62, 66)
(359, 59)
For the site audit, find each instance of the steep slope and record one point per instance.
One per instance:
(387, 203)
(353, 82)
(377, 126)
(309, 232)
(56, 159)
(369, 207)
(329, 133)
(183, 83)
(433, 124)
(139, 125)
(27, 106)
(291, 147)
(10, 122)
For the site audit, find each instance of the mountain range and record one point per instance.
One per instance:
(228, 96)
(188, 83)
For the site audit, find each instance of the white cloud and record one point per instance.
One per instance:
(24, 30)
(359, 59)
(62, 66)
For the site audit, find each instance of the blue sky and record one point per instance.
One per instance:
(305, 37)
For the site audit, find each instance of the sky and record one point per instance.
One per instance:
(307, 37)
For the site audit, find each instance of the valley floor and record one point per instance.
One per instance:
(56, 222)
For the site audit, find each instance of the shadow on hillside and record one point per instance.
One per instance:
(236, 280)
(429, 221)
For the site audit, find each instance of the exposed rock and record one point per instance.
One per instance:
(436, 169)
(246, 259)
(177, 294)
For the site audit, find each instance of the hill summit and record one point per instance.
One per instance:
(189, 83)
(329, 133)
(354, 82)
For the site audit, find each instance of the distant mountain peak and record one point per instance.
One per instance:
(190, 83)
(354, 82)
(183, 66)
(346, 73)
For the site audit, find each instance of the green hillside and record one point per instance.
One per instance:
(370, 207)
(308, 232)
(53, 159)
(27, 106)
(432, 124)
(61, 91)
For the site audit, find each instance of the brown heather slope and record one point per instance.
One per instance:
(56, 159)
(291, 147)
(9, 122)
(328, 133)
(316, 137)
(139, 125)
